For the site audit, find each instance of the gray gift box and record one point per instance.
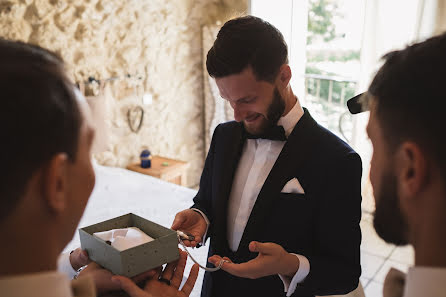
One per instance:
(163, 249)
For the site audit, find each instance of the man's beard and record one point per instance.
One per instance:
(389, 221)
(276, 108)
(274, 112)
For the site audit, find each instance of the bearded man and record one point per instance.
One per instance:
(408, 167)
(278, 193)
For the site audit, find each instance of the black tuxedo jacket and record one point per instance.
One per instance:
(322, 224)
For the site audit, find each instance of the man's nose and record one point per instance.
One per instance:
(239, 114)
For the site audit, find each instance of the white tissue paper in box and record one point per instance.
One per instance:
(123, 239)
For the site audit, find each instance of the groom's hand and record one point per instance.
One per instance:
(271, 260)
(191, 222)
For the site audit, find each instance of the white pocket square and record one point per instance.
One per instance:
(293, 186)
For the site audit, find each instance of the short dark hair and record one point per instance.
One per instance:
(247, 41)
(409, 91)
(39, 116)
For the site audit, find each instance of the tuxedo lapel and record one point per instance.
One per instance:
(229, 159)
(289, 164)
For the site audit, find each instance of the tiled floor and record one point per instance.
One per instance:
(377, 257)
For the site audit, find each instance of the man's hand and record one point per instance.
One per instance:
(272, 259)
(103, 278)
(155, 288)
(79, 258)
(191, 222)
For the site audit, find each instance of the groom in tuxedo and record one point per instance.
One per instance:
(278, 192)
(408, 167)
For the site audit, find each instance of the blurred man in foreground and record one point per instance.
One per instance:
(408, 167)
(47, 178)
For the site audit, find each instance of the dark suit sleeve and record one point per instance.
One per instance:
(335, 259)
(203, 199)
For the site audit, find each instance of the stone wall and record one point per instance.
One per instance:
(157, 40)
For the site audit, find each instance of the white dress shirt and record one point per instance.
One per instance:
(257, 160)
(426, 282)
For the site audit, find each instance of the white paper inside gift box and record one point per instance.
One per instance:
(134, 260)
(125, 238)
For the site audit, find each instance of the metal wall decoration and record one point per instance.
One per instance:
(135, 117)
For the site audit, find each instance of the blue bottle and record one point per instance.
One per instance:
(146, 159)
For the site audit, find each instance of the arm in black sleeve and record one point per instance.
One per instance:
(203, 199)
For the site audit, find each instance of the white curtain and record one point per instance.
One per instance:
(290, 17)
(390, 25)
(216, 109)
(440, 17)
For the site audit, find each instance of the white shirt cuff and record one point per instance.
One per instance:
(64, 265)
(290, 284)
(203, 240)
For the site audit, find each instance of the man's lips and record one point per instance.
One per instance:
(252, 118)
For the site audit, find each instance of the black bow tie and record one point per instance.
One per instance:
(272, 133)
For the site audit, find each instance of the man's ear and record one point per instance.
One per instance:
(412, 169)
(55, 183)
(284, 75)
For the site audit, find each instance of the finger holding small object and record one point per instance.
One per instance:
(188, 243)
(186, 236)
(215, 259)
(218, 261)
